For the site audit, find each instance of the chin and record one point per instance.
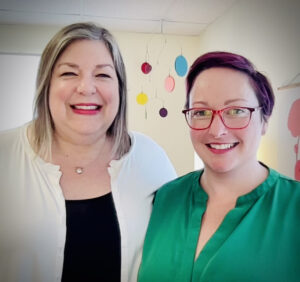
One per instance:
(220, 166)
(83, 132)
(89, 128)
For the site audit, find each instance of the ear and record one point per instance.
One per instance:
(264, 127)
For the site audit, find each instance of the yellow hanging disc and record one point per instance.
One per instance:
(142, 98)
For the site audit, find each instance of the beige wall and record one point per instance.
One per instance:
(268, 33)
(170, 132)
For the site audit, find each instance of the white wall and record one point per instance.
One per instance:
(17, 89)
(268, 33)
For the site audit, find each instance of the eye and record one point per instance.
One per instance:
(238, 112)
(104, 75)
(201, 113)
(68, 73)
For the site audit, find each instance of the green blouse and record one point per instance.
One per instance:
(258, 240)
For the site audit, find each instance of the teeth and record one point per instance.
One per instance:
(82, 107)
(221, 146)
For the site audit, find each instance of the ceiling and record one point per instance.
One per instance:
(181, 17)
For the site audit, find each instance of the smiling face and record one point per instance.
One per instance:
(222, 149)
(84, 94)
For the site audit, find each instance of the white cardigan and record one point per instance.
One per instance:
(32, 207)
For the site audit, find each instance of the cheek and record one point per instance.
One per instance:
(53, 101)
(113, 102)
(196, 137)
(110, 93)
(62, 89)
(252, 137)
(114, 98)
(57, 99)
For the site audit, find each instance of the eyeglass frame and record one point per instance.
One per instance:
(219, 113)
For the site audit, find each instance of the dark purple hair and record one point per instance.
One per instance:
(259, 82)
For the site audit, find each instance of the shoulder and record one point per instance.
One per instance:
(173, 200)
(140, 142)
(9, 137)
(146, 163)
(285, 182)
(285, 189)
(282, 201)
(14, 143)
(11, 151)
(180, 187)
(146, 151)
(9, 133)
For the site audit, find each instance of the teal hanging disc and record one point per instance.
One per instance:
(181, 65)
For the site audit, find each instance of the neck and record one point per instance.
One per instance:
(81, 153)
(232, 184)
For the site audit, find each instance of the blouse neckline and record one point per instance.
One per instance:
(201, 196)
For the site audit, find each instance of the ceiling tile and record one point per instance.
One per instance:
(182, 28)
(201, 11)
(136, 9)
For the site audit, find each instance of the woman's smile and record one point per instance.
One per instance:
(221, 148)
(86, 109)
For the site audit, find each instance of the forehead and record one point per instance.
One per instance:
(215, 86)
(86, 50)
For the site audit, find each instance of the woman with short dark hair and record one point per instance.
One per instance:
(236, 219)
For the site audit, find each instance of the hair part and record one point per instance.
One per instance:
(43, 126)
(258, 81)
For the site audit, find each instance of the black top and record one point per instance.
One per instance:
(92, 250)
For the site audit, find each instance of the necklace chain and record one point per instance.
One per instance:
(80, 169)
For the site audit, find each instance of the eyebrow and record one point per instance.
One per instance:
(72, 65)
(225, 103)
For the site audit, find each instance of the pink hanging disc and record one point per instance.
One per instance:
(169, 83)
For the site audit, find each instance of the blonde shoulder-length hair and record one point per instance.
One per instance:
(43, 127)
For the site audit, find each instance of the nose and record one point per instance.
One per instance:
(217, 128)
(86, 86)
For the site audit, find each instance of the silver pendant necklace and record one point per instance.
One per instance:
(79, 170)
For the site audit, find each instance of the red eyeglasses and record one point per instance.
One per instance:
(232, 117)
